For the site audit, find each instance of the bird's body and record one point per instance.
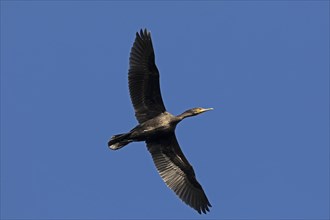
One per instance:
(154, 128)
(157, 126)
(162, 124)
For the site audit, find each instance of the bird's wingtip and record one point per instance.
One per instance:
(144, 32)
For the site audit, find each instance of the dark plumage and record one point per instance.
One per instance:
(157, 126)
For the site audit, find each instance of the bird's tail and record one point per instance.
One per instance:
(118, 141)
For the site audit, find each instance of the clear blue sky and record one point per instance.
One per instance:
(262, 153)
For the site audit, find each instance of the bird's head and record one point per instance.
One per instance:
(197, 111)
(193, 112)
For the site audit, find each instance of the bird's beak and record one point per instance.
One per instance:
(206, 109)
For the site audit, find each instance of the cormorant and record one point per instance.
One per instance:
(157, 126)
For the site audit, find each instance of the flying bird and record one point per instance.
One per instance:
(157, 126)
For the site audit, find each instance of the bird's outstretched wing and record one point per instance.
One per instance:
(177, 173)
(143, 77)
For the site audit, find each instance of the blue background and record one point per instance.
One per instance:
(262, 153)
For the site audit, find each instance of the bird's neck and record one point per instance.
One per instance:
(184, 115)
